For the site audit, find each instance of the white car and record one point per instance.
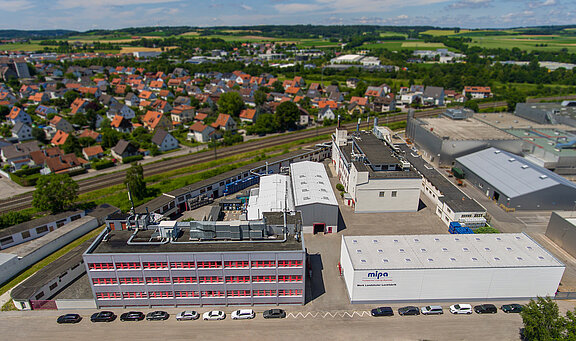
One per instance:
(187, 315)
(243, 314)
(214, 315)
(461, 309)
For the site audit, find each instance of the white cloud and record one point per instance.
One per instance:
(15, 5)
(296, 8)
(471, 4)
(108, 3)
(536, 4)
(246, 7)
(351, 6)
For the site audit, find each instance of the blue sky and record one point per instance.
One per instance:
(107, 14)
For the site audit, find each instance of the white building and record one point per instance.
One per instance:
(273, 195)
(420, 268)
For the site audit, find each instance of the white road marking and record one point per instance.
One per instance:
(328, 314)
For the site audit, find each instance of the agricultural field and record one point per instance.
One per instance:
(396, 45)
(527, 42)
(32, 46)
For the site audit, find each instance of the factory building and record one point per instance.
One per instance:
(514, 183)
(562, 230)
(548, 113)
(371, 172)
(422, 268)
(199, 263)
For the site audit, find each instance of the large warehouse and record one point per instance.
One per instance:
(515, 183)
(415, 268)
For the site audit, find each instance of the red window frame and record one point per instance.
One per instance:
(289, 278)
(213, 293)
(186, 294)
(100, 266)
(290, 292)
(209, 265)
(108, 295)
(182, 280)
(135, 294)
(263, 263)
(289, 263)
(210, 279)
(264, 279)
(264, 293)
(157, 280)
(161, 294)
(155, 265)
(128, 266)
(183, 265)
(238, 293)
(237, 279)
(104, 281)
(131, 280)
(237, 264)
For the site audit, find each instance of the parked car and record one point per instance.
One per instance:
(461, 309)
(243, 314)
(431, 310)
(157, 316)
(187, 315)
(485, 309)
(382, 311)
(132, 316)
(103, 316)
(274, 314)
(512, 308)
(409, 310)
(69, 318)
(214, 315)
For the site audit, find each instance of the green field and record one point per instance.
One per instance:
(527, 42)
(396, 45)
(23, 47)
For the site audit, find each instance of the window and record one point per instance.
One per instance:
(381, 194)
(263, 279)
(237, 279)
(161, 294)
(182, 265)
(104, 281)
(236, 264)
(264, 293)
(157, 280)
(6, 241)
(60, 223)
(53, 286)
(263, 263)
(131, 280)
(25, 234)
(135, 294)
(210, 265)
(289, 278)
(210, 279)
(212, 293)
(182, 280)
(394, 194)
(238, 293)
(186, 294)
(290, 292)
(289, 263)
(155, 265)
(128, 266)
(108, 295)
(40, 295)
(100, 266)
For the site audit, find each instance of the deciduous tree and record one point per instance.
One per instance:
(54, 192)
(135, 180)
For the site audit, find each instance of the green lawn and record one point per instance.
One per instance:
(528, 43)
(24, 47)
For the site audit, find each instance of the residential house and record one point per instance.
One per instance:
(181, 100)
(44, 111)
(93, 152)
(377, 91)
(91, 134)
(200, 116)
(124, 149)
(39, 98)
(120, 89)
(293, 91)
(326, 113)
(78, 106)
(202, 133)
(164, 140)
(161, 106)
(157, 85)
(383, 104)
(249, 115)
(107, 100)
(59, 123)
(63, 164)
(121, 124)
(132, 100)
(182, 114)
(153, 120)
(92, 90)
(352, 82)
(147, 96)
(22, 131)
(122, 110)
(18, 115)
(224, 122)
(20, 151)
(477, 92)
(165, 94)
(433, 95)
(59, 138)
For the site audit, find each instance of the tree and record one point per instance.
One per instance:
(278, 87)
(135, 181)
(231, 103)
(542, 320)
(472, 105)
(39, 134)
(70, 96)
(72, 145)
(13, 218)
(260, 97)
(265, 124)
(287, 114)
(54, 192)
(110, 138)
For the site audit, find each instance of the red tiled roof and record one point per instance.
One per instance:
(59, 138)
(248, 114)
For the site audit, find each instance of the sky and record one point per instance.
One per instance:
(82, 15)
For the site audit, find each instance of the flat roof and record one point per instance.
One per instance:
(311, 184)
(25, 226)
(446, 251)
(272, 195)
(547, 139)
(511, 121)
(464, 130)
(377, 152)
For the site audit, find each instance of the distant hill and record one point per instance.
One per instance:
(37, 34)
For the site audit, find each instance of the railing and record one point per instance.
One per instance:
(565, 295)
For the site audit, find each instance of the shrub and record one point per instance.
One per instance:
(340, 187)
(102, 164)
(486, 229)
(130, 159)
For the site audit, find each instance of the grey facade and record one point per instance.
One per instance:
(548, 113)
(562, 230)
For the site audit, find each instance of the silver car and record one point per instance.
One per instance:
(187, 315)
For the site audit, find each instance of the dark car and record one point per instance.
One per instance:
(382, 311)
(132, 316)
(409, 310)
(69, 318)
(157, 316)
(103, 316)
(512, 308)
(485, 309)
(274, 314)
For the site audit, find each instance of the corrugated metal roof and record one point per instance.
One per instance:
(273, 195)
(311, 184)
(510, 174)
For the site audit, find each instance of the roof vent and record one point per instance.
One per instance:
(524, 166)
(385, 260)
(543, 177)
(306, 198)
(380, 251)
(496, 152)
(512, 159)
(452, 259)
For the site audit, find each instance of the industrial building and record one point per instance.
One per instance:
(420, 268)
(548, 113)
(372, 173)
(199, 263)
(515, 183)
(274, 194)
(562, 230)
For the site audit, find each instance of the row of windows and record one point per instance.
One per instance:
(196, 294)
(192, 265)
(204, 279)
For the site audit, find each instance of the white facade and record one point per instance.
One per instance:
(273, 195)
(447, 267)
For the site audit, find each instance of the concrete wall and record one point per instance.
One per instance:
(369, 199)
(76, 304)
(562, 231)
(319, 213)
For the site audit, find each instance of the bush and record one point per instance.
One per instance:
(26, 181)
(340, 187)
(102, 164)
(13, 218)
(130, 159)
(28, 171)
(77, 172)
(486, 229)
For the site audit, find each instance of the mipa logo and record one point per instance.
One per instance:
(377, 274)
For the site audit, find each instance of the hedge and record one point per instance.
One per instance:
(27, 171)
(102, 164)
(27, 181)
(132, 158)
